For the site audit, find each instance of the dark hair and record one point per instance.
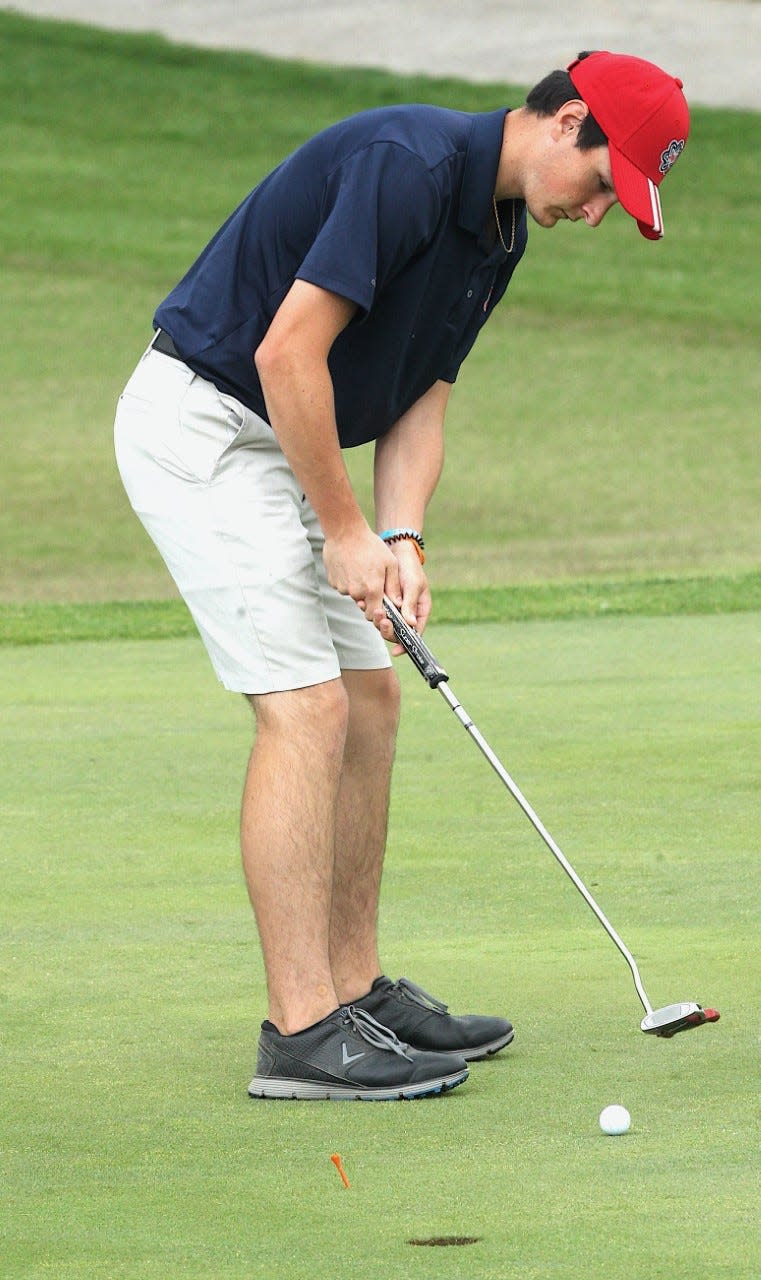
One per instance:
(550, 94)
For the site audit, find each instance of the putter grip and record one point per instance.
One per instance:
(415, 646)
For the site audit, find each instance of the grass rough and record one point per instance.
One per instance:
(604, 425)
(38, 623)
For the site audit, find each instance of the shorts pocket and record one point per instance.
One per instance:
(209, 425)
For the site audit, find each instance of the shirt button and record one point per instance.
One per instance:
(470, 293)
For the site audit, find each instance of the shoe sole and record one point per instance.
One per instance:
(481, 1051)
(314, 1090)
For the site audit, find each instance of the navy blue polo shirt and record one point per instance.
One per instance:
(391, 209)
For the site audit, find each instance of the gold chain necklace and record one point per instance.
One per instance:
(499, 225)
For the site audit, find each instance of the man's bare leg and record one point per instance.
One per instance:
(361, 825)
(288, 821)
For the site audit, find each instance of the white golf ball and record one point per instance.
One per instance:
(615, 1120)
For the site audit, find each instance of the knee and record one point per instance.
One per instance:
(327, 711)
(317, 714)
(389, 699)
(374, 701)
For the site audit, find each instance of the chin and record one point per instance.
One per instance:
(544, 217)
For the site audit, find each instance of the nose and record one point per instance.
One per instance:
(595, 209)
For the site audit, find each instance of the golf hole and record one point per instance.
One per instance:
(446, 1240)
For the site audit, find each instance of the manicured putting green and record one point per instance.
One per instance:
(133, 987)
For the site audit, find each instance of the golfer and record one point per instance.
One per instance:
(334, 307)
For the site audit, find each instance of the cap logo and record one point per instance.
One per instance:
(672, 153)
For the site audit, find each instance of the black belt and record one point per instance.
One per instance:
(163, 343)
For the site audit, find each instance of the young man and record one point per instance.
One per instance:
(334, 307)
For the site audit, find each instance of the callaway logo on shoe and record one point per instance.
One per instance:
(314, 1063)
(347, 1058)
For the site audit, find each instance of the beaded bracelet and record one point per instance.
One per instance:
(406, 535)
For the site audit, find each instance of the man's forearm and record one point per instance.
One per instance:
(408, 462)
(300, 404)
(292, 363)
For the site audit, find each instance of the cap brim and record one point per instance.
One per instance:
(637, 193)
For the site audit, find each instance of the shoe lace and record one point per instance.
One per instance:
(373, 1032)
(418, 996)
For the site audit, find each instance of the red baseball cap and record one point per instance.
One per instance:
(644, 115)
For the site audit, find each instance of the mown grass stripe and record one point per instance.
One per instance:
(44, 623)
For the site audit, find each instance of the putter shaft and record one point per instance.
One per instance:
(539, 826)
(437, 678)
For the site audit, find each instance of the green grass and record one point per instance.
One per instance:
(601, 465)
(40, 623)
(132, 986)
(604, 426)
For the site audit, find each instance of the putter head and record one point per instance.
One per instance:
(672, 1018)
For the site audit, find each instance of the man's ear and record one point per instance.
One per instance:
(570, 117)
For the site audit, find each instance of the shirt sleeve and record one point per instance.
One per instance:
(380, 207)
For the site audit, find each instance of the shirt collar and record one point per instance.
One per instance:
(480, 173)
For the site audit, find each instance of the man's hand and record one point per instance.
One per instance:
(360, 565)
(414, 600)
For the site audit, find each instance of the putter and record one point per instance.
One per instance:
(665, 1022)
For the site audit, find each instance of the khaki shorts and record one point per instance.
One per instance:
(215, 492)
